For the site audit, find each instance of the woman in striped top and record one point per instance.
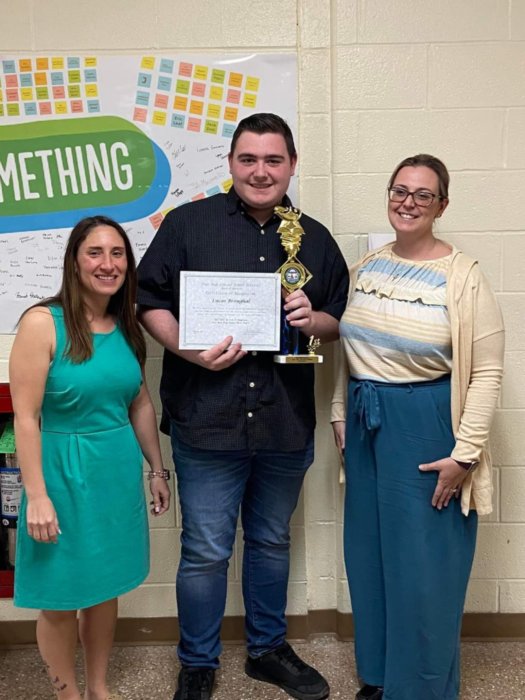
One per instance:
(422, 342)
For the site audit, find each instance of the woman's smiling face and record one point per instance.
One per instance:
(409, 217)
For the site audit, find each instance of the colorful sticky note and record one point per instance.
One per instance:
(166, 65)
(91, 90)
(159, 118)
(73, 76)
(13, 110)
(90, 75)
(178, 120)
(60, 107)
(230, 114)
(194, 124)
(227, 130)
(93, 106)
(161, 101)
(166, 211)
(40, 78)
(213, 190)
(73, 62)
(26, 80)
(196, 107)
(11, 81)
(140, 114)
(142, 98)
(235, 80)
(42, 63)
(218, 75)
(201, 195)
(44, 107)
(183, 87)
(185, 69)
(252, 84)
(200, 72)
(164, 83)
(26, 94)
(198, 89)
(57, 63)
(74, 90)
(9, 67)
(144, 80)
(180, 103)
(90, 61)
(2, 109)
(12, 94)
(233, 96)
(26, 65)
(30, 109)
(77, 106)
(59, 92)
(148, 62)
(250, 100)
(42, 93)
(216, 93)
(57, 78)
(156, 220)
(210, 126)
(214, 111)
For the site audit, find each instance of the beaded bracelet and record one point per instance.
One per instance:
(163, 474)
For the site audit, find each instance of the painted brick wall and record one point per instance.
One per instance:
(378, 80)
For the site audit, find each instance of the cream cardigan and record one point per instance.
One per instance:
(477, 368)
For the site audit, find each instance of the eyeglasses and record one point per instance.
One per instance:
(421, 197)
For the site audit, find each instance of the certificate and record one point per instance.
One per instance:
(245, 305)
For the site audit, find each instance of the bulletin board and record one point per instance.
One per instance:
(130, 137)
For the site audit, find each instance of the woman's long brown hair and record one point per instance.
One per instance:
(121, 305)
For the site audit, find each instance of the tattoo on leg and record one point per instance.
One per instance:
(55, 680)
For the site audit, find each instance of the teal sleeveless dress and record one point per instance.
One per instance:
(92, 466)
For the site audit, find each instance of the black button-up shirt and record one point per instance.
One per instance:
(255, 404)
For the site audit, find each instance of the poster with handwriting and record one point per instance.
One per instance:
(130, 137)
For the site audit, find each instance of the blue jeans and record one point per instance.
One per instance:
(212, 486)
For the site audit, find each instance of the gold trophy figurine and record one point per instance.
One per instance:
(294, 275)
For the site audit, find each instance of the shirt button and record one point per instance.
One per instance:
(262, 258)
(252, 384)
(250, 414)
(262, 232)
(254, 352)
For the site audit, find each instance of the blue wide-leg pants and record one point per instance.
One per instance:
(408, 564)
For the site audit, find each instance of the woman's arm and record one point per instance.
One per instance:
(142, 418)
(485, 375)
(29, 362)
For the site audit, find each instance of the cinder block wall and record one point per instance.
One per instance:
(378, 80)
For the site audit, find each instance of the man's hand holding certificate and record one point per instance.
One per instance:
(244, 305)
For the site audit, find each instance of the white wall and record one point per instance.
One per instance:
(378, 80)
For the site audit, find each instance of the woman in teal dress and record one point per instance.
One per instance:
(83, 422)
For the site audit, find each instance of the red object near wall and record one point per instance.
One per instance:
(6, 405)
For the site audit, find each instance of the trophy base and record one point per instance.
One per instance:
(298, 359)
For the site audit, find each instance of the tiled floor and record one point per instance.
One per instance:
(490, 670)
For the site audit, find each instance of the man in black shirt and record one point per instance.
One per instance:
(241, 425)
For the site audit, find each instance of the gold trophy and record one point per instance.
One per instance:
(294, 275)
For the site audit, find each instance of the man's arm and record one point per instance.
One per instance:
(162, 325)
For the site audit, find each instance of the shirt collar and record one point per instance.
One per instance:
(234, 203)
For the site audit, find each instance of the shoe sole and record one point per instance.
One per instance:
(321, 695)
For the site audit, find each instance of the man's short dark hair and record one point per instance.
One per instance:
(264, 123)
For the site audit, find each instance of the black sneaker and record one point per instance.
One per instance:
(370, 692)
(284, 668)
(194, 683)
